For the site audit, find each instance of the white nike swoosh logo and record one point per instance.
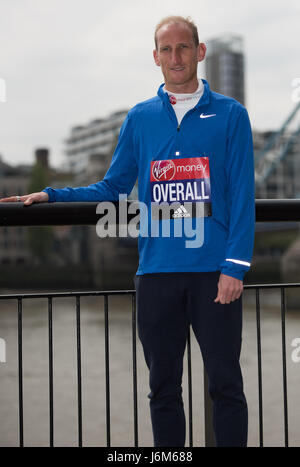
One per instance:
(207, 116)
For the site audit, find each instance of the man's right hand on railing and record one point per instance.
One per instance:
(39, 197)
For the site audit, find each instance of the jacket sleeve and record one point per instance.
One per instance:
(241, 197)
(119, 179)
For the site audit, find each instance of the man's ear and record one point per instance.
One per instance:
(156, 59)
(201, 51)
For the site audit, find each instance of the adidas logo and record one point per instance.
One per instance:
(181, 212)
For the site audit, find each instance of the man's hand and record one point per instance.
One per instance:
(229, 289)
(39, 197)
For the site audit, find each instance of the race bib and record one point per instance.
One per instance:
(180, 188)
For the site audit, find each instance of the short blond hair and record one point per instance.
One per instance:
(178, 19)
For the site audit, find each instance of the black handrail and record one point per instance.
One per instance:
(84, 213)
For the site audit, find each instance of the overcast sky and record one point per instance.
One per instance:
(66, 62)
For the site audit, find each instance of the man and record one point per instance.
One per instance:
(192, 146)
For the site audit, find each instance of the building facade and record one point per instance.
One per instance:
(225, 66)
(88, 148)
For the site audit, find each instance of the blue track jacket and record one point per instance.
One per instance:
(208, 161)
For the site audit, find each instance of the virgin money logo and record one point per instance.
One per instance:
(163, 170)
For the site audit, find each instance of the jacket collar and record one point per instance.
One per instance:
(204, 100)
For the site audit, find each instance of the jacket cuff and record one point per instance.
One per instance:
(235, 271)
(51, 193)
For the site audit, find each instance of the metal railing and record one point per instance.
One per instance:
(77, 296)
(83, 214)
(209, 436)
(16, 214)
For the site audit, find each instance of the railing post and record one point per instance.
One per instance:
(79, 391)
(50, 334)
(208, 415)
(107, 381)
(20, 365)
(284, 370)
(259, 365)
(190, 392)
(134, 372)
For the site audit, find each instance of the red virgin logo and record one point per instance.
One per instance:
(163, 170)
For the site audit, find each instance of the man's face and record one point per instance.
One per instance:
(178, 57)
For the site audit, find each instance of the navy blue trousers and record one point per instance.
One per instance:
(168, 303)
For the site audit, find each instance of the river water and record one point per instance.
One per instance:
(36, 383)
